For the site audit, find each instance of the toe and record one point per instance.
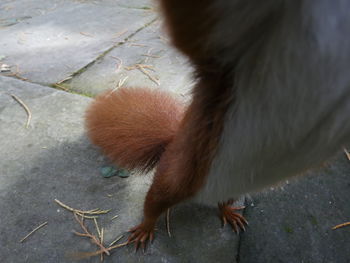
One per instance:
(234, 226)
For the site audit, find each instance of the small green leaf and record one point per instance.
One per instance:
(108, 171)
(123, 173)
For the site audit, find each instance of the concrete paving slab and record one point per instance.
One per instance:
(53, 159)
(163, 66)
(49, 40)
(14, 11)
(294, 223)
(50, 47)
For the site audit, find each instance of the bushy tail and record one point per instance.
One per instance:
(133, 126)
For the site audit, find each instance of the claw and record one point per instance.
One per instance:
(241, 225)
(238, 207)
(140, 235)
(144, 247)
(241, 218)
(234, 226)
(224, 221)
(137, 244)
(151, 237)
(229, 215)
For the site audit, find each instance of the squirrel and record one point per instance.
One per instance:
(272, 87)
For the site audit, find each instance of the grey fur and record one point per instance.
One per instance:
(292, 92)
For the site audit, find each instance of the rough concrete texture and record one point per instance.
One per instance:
(293, 223)
(67, 35)
(52, 158)
(148, 48)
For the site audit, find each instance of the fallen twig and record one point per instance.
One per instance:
(85, 216)
(155, 80)
(83, 255)
(164, 39)
(86, 34)
(16, 74)
(142, 68)
(167, 222)
(60, 87)
(138, 45)
(97, 228)
(121, 82)
(101, 240)
(120, 33)
(25, 108)
(341, 225)
(35, 229)
(119, 245)
(120, 62)
(119, 85)
(93, 238)
(63, 80)
(347, 153)
(140, 65)
(115, 241)
(95, 211)
(114, 217)
(151, 56)
(98, 239)
(148, 55)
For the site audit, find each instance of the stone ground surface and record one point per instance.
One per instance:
(60, 53)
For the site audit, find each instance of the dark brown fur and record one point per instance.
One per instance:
(117, 122)
(185, 164)
(188, 23)
(186, 150)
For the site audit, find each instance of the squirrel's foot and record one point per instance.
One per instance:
(140, 235)
(229, 215)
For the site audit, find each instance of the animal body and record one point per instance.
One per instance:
(270, 102)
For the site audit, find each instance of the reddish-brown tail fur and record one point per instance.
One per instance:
(133, 126)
